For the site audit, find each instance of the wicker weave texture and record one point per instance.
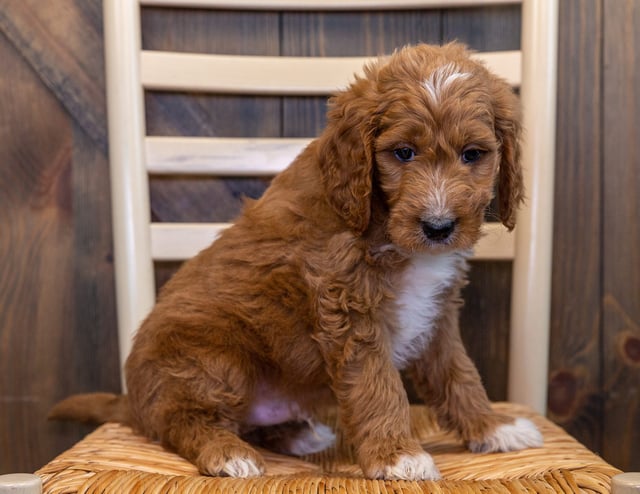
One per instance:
(115, 460)
(141, 482)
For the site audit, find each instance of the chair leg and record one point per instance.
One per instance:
(626, 483)
(20, 483)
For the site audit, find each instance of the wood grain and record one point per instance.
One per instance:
(484, 28)
(62, 41)
(57, 317)
(36, 295)
(356, 33)
(621, 234)
(95, 333)
(575, 395)
(484, 323)
(345, 34)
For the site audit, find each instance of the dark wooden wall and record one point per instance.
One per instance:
(620, 232)
(57, 310)
(576, 397)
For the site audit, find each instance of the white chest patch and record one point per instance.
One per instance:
(419, 303)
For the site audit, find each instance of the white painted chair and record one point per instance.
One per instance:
(138, 242)
(133, 156)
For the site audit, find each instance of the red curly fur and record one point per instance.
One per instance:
(300, 303)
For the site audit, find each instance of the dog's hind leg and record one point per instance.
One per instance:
(196, 408)
(215, 449)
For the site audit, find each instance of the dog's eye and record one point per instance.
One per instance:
(471, 155)
(404, 154)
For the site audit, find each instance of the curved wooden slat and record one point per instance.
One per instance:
(234, 157)
(180, 241)
(326, 5)
(232, 74)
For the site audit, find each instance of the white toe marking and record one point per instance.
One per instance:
(510, 437)
(418, 467)
(316, 438)
(242, 468)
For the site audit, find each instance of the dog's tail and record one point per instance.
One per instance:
(93, 408)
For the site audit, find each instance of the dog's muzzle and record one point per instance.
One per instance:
(438, 230)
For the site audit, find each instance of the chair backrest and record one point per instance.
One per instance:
(134, 155)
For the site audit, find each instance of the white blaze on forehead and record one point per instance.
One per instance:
(441, 78)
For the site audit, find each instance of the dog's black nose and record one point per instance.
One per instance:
(438, 230)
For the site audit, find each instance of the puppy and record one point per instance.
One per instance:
(347, 271)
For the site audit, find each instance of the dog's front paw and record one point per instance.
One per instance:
(413, 467)
(520, 434)
(405, 466)
(242, 468)
(232, 461)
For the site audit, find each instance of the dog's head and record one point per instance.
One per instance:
(434, 131)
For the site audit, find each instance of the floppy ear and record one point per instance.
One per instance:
(346, 152)
(509, 132)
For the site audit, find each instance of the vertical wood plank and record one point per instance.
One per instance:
(56, 281)
(621, 233)
(210, 31)
(356, 33)
(484, 28)
(575, 398)
(36, 301)
(85, 353)
(95, 332)
(484, 323)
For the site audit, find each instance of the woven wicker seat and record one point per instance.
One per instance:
(113, 459)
